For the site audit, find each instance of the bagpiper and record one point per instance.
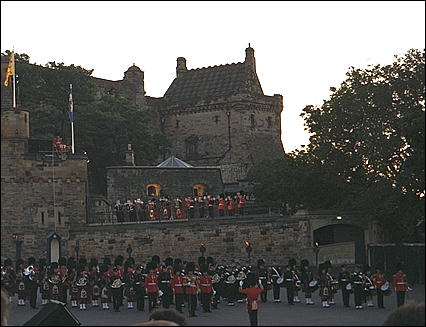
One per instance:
(31, 281)
(20, 282)
(306, 278)
(369, 288)
(400, 285)
(8, 278)
(83, 296)
(334, 284)
(324, 285)
(297, 281)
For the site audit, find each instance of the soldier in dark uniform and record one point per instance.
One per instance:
(140, 290)
(357, 281)
(306, 277)
(289, 284)
(117, 289)
(276, 273)
(344, 278)
(263, 278)
(164, 284)
(31, 282)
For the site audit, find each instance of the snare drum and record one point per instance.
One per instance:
(349, 288)
(386, 289)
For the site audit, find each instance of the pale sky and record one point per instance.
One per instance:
(301, 48)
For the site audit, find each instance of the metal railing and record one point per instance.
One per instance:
(110, 216)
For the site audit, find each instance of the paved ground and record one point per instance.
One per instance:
(270, 314)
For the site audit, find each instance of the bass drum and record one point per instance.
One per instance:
(313, 285)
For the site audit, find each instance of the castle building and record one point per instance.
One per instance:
(214, 116)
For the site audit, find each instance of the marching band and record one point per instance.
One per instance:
(173, 282)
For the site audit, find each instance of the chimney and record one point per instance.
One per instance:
(250, 61)
(129, 156)
(181, 66)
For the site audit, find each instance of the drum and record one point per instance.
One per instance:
(349, 288)
(386, 289)
(313, 285)
(334, 285)
(280, 282)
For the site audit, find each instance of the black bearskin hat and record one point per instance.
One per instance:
(260, 262)
(251, 279)
(209, 260)
(42, 262)
(168, 261)
(292, 262)
(201, 260)
(103, 268)
(31, 261)
(71, 263)
(177, 268)
(190, 266)
(150, 266)
(54, 265)
(204, 268)
(93, 262)
(62, 261)
(327, 264)
(82, 261)
(177, 261)
(107, 261)
(156, 259)
(118, 260)
(304, 263)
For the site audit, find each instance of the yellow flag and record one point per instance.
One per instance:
(10, 69)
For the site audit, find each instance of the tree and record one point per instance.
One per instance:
(104, 125)
(371, 134)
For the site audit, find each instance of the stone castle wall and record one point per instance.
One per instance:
(131, 182)
(270, 237)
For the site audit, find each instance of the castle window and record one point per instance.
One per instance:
(59, 218)
(153, 190)
(191, 145)
(252, 121)
(216, 119)
(199, 189)
(42, 218)
(177, 123)
(269, 122)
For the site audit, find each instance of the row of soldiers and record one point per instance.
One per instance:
(190, 207)
(364, 284)
(173, 282)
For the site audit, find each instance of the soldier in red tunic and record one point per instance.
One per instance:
(241, 199)
(206, 288)
(230, 206)
(221, 206)
(191, 288)
(379, 280)
(151, 283)
(400, 285)
(178, 287)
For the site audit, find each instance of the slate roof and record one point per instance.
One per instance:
(213, 82)
(174, 163)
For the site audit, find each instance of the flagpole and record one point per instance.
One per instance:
(72, 120)
(14, 79)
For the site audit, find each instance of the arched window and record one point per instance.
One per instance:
(199, 189)
(153, 189)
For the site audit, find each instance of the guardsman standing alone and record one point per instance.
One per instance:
(400, 285)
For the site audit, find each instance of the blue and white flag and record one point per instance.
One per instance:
(71, 107)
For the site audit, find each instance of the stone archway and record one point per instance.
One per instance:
(339, 233)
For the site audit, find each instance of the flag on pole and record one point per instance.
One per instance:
(10, 69)
(71, 107)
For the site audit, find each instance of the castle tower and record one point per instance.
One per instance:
(219, 116)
